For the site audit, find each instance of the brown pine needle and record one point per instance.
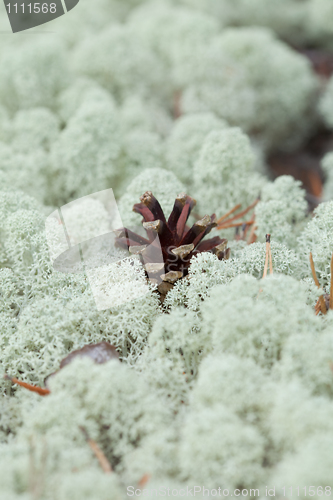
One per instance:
(270, 258)
(268, 236)
(331, 288)
(252, 237)
(315, 279)
(236, 207)
(237, 216)
(321, 298)
(30, 387)
(246, 228)
(144, 480)
(226, 225)
(245, 211)
(103, 461)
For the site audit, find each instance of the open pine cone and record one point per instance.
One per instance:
(170, 244)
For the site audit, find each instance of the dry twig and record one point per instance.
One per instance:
(103, 461)
(30, 387)
(268, 257)
(321, 300)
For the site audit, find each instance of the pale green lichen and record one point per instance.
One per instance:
(11, 201)
(317, 24)
(236, 382)
(288, 18)
(138, 114)
(35, 128)
(266, 321)
(281, 211)
(10, 288)
(49, 328)
(33, 74)
(83, 158)
(309, 358)
(176, 35)
(98, 149)
(317, 238)
(178, 337)
(4, 124)
(24, 170)
(80, 91)
(130, 68)
(164, 185)
(89, 21)
(45, 313)
(243, 77)
(126, 412)
(158, 453)
(23, 244)
(185, 141)
(237, 448)
(310, 465)
(295, 417)
(141, 150)
(228, 383)
(206, 271)
(225, 173)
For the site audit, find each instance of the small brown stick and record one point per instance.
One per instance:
(321, 298)
(103, 461)
(268, 239)
(30, 387)
(331, 287)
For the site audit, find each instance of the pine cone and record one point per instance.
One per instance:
(170, 244)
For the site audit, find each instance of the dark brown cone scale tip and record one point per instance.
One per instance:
(178, 242)
(99, 353)
(149, 200)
